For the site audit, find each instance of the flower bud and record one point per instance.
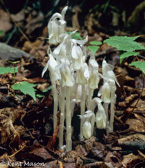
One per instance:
(105, 93)
(101, 117)
(87, 129)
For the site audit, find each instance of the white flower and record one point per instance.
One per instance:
(105, 93)
(94, 79)
(52, 66)
(94, 103)
(83, 75)
(66, 77)
(77, 55)
(56, 27)
(101, 117)
(94, 74)
(87, 127)
(80, 42)
(93, 63)
(107, 71)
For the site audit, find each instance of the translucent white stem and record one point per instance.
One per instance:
(112, 110)
(68, 120)
(92, 124)
(82, 112)
(62, 116)
(55, 98)
(107, 119)
(90, 95)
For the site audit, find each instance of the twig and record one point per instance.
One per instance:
(17, 151)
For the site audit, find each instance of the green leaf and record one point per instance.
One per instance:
(76, 36)
(139, 64)
(26, 88)
(4, 70)
(124, 43)
(96, 42)
(46, 90)
(127, 54)
(93, 49)
(39, 95)
(2, 33)
(14, 62)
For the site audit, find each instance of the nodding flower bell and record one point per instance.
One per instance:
(77, 55)
(83, 75)
(87, 127)
(108, 73)
(94, 75)
(88, 120)
(101, 117)
(53, 68)
(105, 92)
(56, 26)
(94, 79)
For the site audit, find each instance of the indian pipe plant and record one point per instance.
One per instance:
(78, 80)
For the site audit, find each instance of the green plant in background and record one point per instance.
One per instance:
(129, 46)
(2, 33)
(122, 43)
(43, 92)
(139, 64)
(126, 44)
(26, 88)
(14, 65)
(94, 46)
(76, 36)
(5, 70)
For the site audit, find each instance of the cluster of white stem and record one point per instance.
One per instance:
(78, 80)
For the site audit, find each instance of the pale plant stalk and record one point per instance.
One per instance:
(55, 97)
(68, 120)
(62, 116)
(90, 95)
(112, 110)
(82, 112)
(107, 119)
(92, 124)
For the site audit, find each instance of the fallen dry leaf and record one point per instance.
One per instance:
(140, 104)
(19, 17)
(136, 125)
(114, 160)
(128, 100)
(131, 160)
(5, 23)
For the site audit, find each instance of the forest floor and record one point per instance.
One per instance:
(27, 138)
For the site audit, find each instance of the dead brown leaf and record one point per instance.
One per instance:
(140, 105)
(89, 144)
(128, 100)
(5, 23)
(28, 46)
(136, 125)
(131, 160)
(41, 152)
(7, 129)
(113, 159)
(134, 137)
(129, 81)
(34, 23)
(18, 17)
(80, 149)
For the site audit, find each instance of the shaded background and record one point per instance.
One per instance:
(101, 15)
